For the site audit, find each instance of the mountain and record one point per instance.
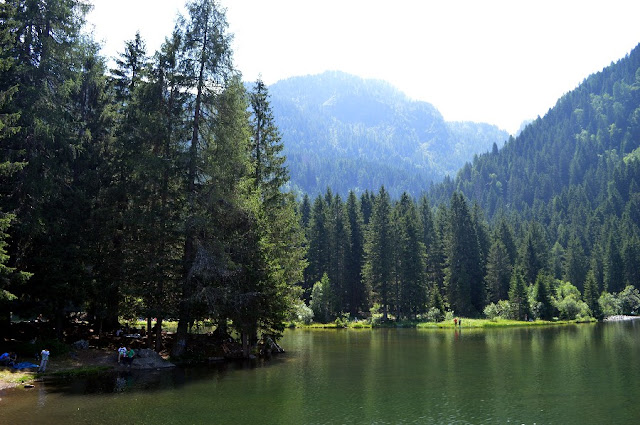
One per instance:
(349, 133)
(584, 143)
(570, 185)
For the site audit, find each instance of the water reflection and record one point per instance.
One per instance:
(569, 374)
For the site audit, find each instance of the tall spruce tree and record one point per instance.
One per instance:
(542, 296)
(358, 292)
(318, 248)
(498, 275)
(533, 253)
(53, 140)
(410, 260)
(434, 255)
(9, 276)
(613, 265)
(518, 296)
(155, 189)
(463, 278)
(207, 68)
(282, 236)
(378, 266)
(591, 294)
(338, 253)
(575, 263)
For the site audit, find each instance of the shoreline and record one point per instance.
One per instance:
(620, 318)
(90, 360)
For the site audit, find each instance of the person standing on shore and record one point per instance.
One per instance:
(44, 359)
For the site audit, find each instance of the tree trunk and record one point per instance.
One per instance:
(245, 344)
(149, 337)
(158, 334)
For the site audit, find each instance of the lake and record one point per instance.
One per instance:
(577, 374)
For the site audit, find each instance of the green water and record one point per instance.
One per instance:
(584, 374)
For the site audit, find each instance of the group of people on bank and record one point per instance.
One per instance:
(126, 355)
(11, 359)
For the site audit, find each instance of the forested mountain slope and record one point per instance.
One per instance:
(576, 174)
(548, 226)
(347, 133)
(582, 146)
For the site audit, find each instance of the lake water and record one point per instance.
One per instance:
(582, 374)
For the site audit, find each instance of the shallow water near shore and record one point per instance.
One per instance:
(553, 375)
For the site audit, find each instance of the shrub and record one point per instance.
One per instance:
(629, 299)
(500, 310)
(433, 315)
(568, 303)
(342, 321)
(491, 311)
(302, 313)
(571, 308)
(321, 299)
(609, 304)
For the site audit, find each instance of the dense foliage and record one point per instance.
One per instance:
(149, 190)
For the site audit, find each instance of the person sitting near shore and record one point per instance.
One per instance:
(8, 359)
(122, 354)
(130, 355)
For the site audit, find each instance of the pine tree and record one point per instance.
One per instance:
(54, 142)
(9, 276)
(155, 195)
(378, 266)
(518, 296)
(358, 293)
(591, 294)
(533, 253)
(575, 263)
(498, 273)
(613, 266)
(282, 236)
(410, 259)
(338, 253)
(366, 206)
(130, 69)
(318, 250)
(434, 255)
(542, 297)
(631, 261)
(463, 279)
(305, 211)
(269, 171)
(207, 67)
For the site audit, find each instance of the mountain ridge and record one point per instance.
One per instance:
(349, 133)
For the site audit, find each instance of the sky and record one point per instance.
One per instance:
(495, 61)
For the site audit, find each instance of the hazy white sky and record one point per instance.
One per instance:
(495, 61)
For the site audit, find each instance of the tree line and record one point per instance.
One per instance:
(410, 261)
(152, 189)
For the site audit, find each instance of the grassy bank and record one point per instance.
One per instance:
(497, 323)
(12, 378)
(466, 323)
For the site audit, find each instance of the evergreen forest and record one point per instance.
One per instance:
(156, 186)
(151, 189)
